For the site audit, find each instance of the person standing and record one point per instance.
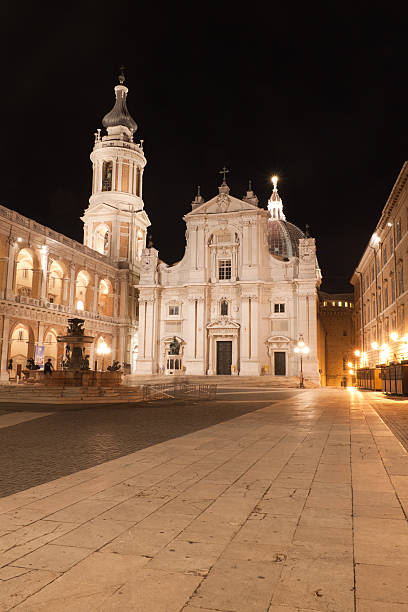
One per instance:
(48, 367)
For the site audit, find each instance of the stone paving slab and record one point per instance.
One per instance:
(297, 506)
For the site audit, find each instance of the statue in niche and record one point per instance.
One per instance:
(174, 347)
(106, 243)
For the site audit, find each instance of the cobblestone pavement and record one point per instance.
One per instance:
(394, 412)
(294, 506)
(58, 444)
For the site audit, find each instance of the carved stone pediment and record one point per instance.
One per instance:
(223, 323)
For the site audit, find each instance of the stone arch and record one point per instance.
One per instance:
(24, 278)
(21, 344)
(51, 346)
(55, 283)
(103, 359)
(105, 297)
(82, 290)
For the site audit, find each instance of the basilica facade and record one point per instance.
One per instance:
(244, 294)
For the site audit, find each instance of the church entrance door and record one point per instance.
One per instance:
(280, 363)
(224, 357)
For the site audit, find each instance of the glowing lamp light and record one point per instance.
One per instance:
(19, 239)
(103, 349)
(349, 364)
(351, 372)
(374, 345)
(357, 353)
(394, 336)
(389, 224)
(274, 180)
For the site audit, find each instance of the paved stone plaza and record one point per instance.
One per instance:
(276, 501)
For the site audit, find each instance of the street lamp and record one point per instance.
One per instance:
(103, 349)
(302, 349)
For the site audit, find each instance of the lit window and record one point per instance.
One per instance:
(333, 303)
(173, 310)
(346, 304)
(224, 269)
(324, 303)
(279, 308)
(340, 303)
(80, 305)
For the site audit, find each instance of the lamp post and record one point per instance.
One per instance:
(301, 349)
(103, 349)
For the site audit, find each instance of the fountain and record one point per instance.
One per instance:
(75, 370)
(76, 341)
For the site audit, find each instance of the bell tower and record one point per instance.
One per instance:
(115, 222)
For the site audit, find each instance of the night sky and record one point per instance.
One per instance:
(317, 95)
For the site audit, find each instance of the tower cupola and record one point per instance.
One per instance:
(275, 204)
(119, 117)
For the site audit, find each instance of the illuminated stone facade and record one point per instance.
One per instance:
(245, 290)
(336, 338)
(381, 284)
(46, 277)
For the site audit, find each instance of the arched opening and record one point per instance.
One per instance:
(103, 352)
(51, 347)
(105, 297)
(107, 176)
(20, 346)
(81, 288)
(102, 239)
(24, 273)
(55, 283)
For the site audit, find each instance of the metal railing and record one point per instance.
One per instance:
(179, 391)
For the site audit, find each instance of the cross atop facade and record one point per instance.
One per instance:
(224, 171)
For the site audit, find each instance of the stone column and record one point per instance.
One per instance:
(72, 287)
(9, 292)
(4, 375)
(124, 297)
(96, 294)
(44, 274)
(116, 299)
(210, 371)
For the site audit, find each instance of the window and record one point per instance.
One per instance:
(379, 301)
(385, 254)
(344, 332)
(107, 176)
(174, 310)
(224, 307)
(339, 303)
(400, 280)
(224, 269)
(324, 303)
(392, 289)
(398, 230)
(279, 308)
(386, 296)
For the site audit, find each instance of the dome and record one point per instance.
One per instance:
(283, 238)
(119, 115)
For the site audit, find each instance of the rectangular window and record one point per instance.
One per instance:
(174, 310)
(386, 296)
(392, 289)
(401, 320)
(379, 301)
(279, 308)
(398, 230)
(400, 280)
(224, 269)
(385, 255)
